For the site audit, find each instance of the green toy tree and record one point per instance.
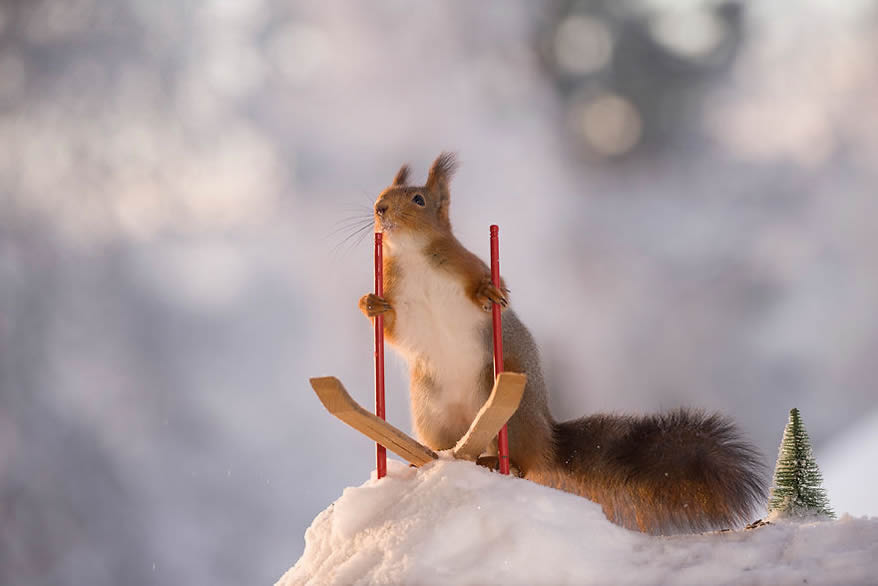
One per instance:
(797, 490)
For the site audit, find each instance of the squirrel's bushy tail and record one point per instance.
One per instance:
(682, 471)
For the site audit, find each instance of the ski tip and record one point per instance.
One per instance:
(324, 384)
(323, 380)
(513, 377)
(331, 392)
(510, 386)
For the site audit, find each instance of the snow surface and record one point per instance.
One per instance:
(453, 522)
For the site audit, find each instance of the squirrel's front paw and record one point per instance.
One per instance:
(373, 305)
(487, 294)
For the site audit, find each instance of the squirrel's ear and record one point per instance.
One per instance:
(402, 176)
(438, 180)
(441, 171)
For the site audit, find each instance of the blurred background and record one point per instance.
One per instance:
(686, 195)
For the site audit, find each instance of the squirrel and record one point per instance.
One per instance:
(682, 471)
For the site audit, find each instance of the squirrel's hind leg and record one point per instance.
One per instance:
(493, 463)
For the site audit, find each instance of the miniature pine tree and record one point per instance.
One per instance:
(797, 490)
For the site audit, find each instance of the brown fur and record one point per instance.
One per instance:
(438, 181)
(402, 176)
(448, 253)
(681, 471)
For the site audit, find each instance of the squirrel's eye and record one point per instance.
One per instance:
(419, 199)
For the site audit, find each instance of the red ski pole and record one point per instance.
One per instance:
(381, 451)
(502, 439)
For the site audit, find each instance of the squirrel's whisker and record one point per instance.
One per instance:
(361, 231)
(352, 224)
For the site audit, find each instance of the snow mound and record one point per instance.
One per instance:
(453, 522)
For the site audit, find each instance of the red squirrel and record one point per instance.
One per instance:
(682, 471)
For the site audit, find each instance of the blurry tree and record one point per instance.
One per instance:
(630, 73)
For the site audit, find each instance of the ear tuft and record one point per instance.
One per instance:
(437, 182)
(402, 176)
(441, 171)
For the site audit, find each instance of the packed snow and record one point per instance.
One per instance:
(453, 522)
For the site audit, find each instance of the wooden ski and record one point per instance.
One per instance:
(337, 401)
(505, 397)
(504, 400)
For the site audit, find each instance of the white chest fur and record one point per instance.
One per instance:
(438, 325)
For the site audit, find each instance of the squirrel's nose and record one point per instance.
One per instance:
(380, 209)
